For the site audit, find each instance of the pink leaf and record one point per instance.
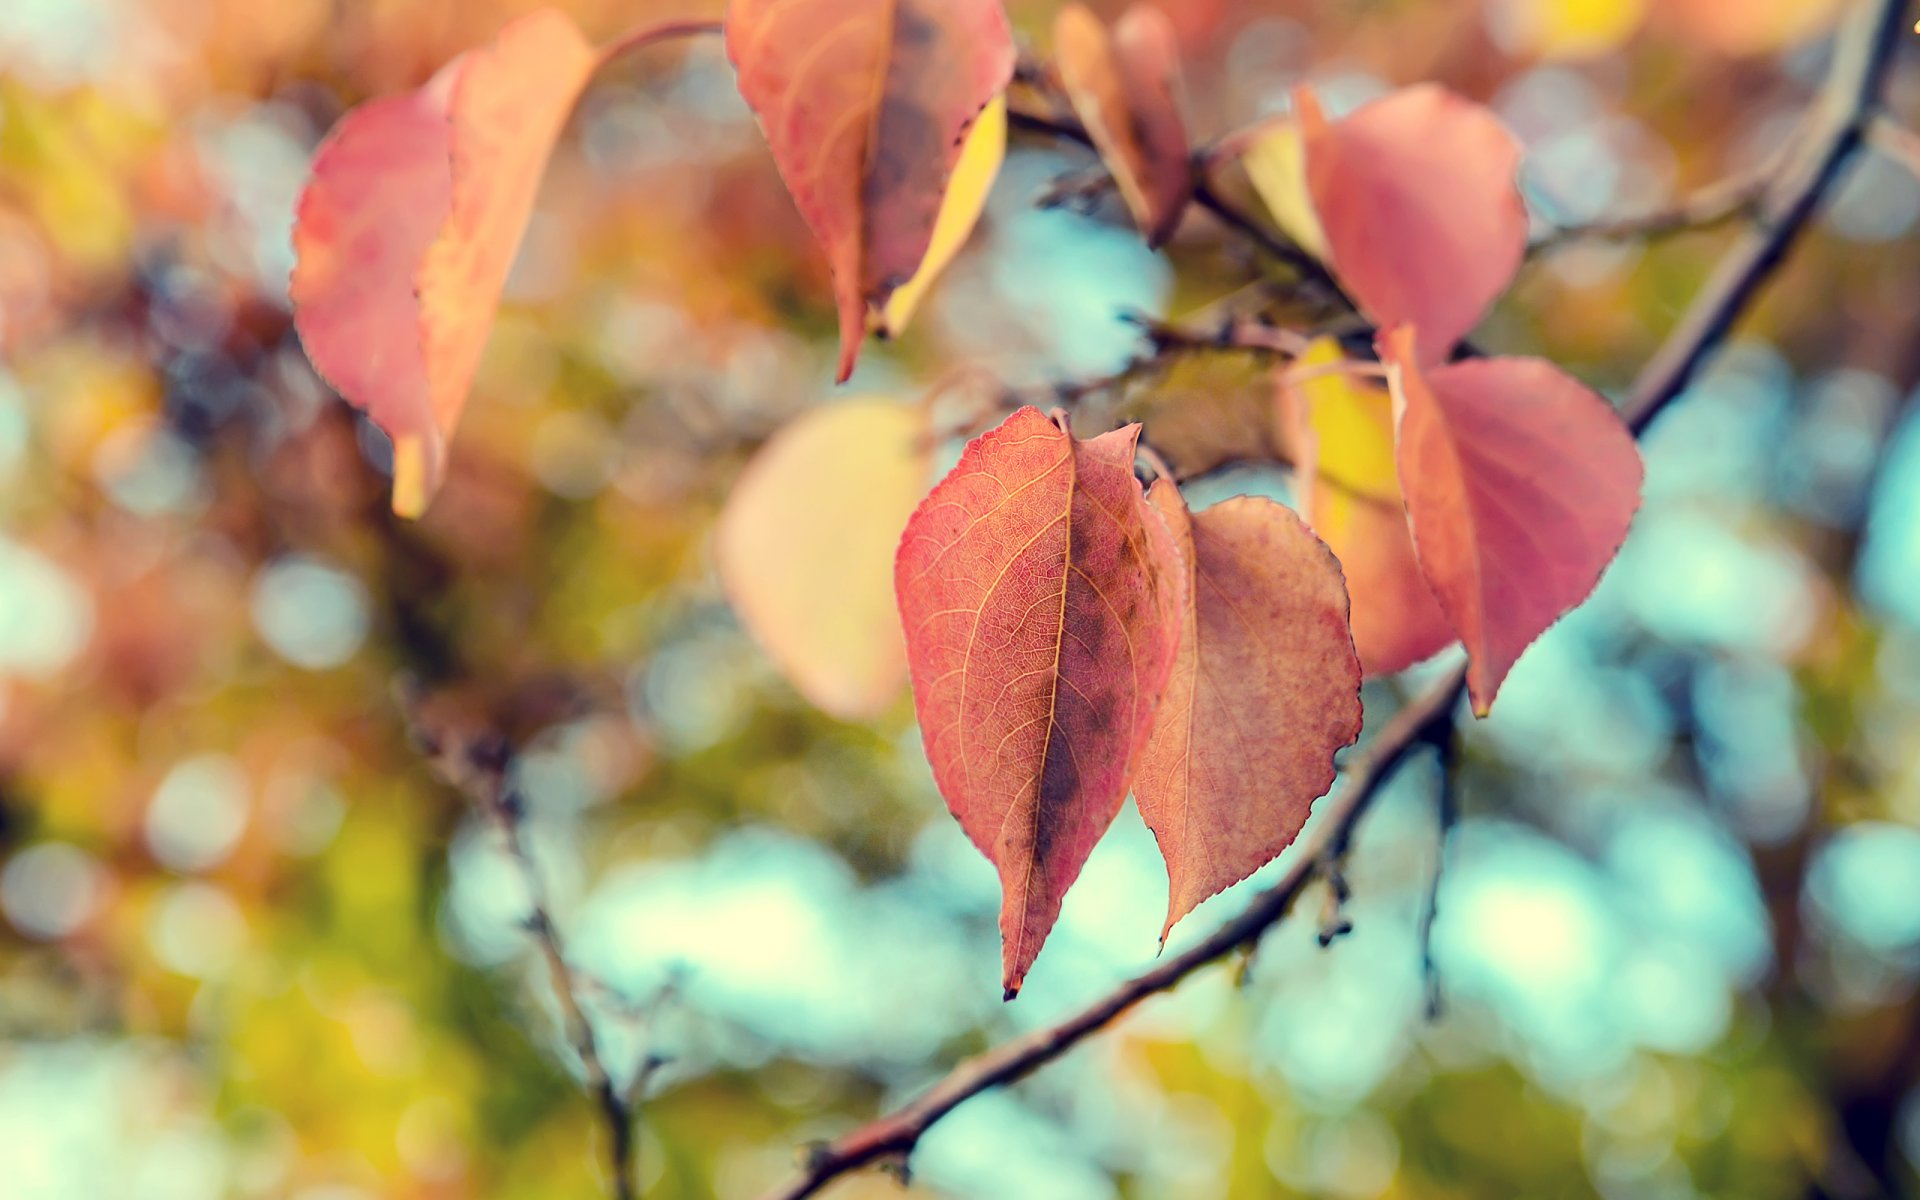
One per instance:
(1423, 218)
(1520, 484)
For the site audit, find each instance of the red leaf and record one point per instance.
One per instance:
(1265, 689)
(1424, 222)
(1126, 91)
(1341, 432)
(805, 549)
(410, 220)
(866, 105)
(1042, 598)
(1520, 485)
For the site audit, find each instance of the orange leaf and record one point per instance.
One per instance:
(1423, 219)
(1041, 596)
(866, 105)
(1265, 689)
(1126, 91)
(1520, 485)
(1341, 431)
(410, 220)
(805, 549)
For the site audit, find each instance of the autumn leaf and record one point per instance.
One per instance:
(414, 209)
(1041, 596)
(1340, 429)
(805, 549)
(866, 105)
(1125, 89)
(1265, 689)
(1520, 484)
(1423, 219)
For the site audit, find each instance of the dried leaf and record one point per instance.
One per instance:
(805, 549)
(1342, 432)
(409, 223)
(866, 105)
(1265, 690)
(1520, 485)
(1423, 218)
(1125, 88)
(1041, 596)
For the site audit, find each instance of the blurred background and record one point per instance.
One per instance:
(249, 947)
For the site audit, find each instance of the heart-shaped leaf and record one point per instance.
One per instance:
(409, 223)
(1265, 689)
(1042, 600)
(805, 549)
(866, 105)
(1126, 91)
(1340, 429)
(1520, 484)
(1417, 195)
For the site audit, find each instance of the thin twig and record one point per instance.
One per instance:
(1083, 187)
(1716, 204)
(479, 767)
(1833, 129)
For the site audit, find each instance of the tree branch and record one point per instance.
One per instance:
(897, 1133)
(1713, 205)
(1831, 132)
(478, 766)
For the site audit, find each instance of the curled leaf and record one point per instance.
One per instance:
(1042, 601)
(410, 220)
(1341, 430)
(1520, 485)
(1417, 195)
(1265, 690)
(960, 211)
(1126, 91)
(866, 106)
(805, 549)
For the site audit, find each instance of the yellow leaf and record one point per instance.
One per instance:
(1277, 165)
(960, 211)
(805, 549)
(1351, 424)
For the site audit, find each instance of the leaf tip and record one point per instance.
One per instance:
(410, 488)
(1011, 990)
